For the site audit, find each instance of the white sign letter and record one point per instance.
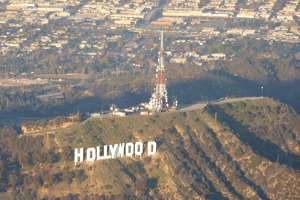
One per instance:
(129, 149)
(99, 157)
(121, 148)
(106, 156)
(78, 154)
(151, 148)
(138, 149)
(113, 150)
(91, 154)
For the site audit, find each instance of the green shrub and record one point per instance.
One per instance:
(255, 161)
(238, 152)
(108, 187)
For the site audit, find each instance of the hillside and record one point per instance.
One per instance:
(241, 150)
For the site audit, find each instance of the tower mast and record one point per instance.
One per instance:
(159, 98)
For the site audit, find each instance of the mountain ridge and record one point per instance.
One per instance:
(201, 154)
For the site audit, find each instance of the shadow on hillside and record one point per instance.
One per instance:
(217, 84)
(210, 86)
(214, 167)
(93, 104)
(257, 188)
(263, 148)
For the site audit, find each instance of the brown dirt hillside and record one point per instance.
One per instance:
(241, 150)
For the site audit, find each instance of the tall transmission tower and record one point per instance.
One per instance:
(159, 98)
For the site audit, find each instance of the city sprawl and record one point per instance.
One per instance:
(183, 16)
(60, 51)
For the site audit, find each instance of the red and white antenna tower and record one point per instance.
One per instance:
(159, 98)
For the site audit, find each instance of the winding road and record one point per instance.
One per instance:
(201, 105)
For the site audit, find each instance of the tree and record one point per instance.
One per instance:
(219, 48)
(25, 159)
(255, 161)
(67, 154)
(120, 43)
(150, 40)
(53, 59)
(279, 4)
(141, 186)
(13, 179)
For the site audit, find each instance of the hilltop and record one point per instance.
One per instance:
(236, 150)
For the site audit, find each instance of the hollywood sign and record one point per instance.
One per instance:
(114, 151)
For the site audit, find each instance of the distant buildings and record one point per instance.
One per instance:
(51, 97)
(182, 17)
